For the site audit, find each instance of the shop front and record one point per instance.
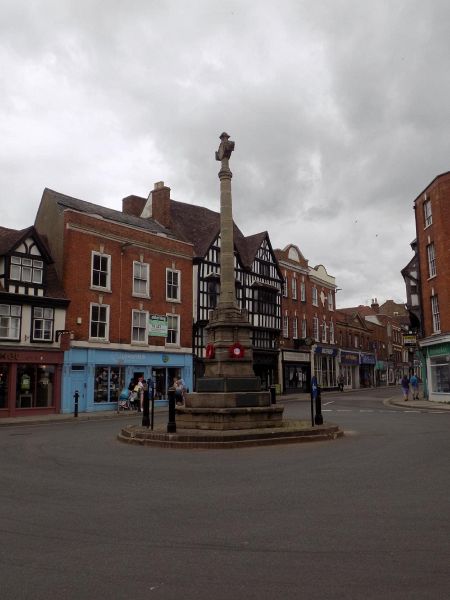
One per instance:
(325, 367)
(100, 376)
(437, 358)
(367, 369)
(296, 368)
(30, 382)
(349, 369)
(381, 373)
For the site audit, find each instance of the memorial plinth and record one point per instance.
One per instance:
(229, 395)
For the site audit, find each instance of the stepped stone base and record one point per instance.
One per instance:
(205, 418)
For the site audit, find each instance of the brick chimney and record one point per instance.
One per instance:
(133, 205)
(158, 204)
(375, 306)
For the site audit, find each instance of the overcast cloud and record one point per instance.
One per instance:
(340, 111)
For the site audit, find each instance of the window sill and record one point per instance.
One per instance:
(144, 296)
(175, 301)
(98, 340)
(432, 277)
(100, 289)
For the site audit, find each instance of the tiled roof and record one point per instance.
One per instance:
(200, 226)
(107, 213)
(10, 237)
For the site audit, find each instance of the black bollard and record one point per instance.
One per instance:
(75, 409)
(171, 424)
(318, 418)
(152, 400)
(273, 394)
(146, 410)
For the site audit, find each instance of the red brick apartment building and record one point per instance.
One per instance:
(427, 279)
(308, 339)
(129, 280)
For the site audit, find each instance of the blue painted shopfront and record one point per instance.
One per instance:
(99, 376)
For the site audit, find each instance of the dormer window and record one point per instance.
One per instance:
(26, 270)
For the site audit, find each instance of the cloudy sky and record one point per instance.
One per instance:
(339, 109)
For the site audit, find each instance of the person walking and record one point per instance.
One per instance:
(341, 382)
(414, 387)
(405, 387)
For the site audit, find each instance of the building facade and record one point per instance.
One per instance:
(308, 345)
(257, 276)
(431, 314)
(130, 283)
(33, 331)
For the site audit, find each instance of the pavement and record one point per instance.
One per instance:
(395, 400)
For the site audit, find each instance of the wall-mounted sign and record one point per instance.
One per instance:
(157, 325)
(410, 340)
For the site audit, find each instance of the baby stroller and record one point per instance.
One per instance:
(124, 400)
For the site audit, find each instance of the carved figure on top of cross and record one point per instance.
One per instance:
(226, 147)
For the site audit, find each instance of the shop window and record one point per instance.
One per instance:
(43, 319)
(440, 375)
(34, 386)
(3, 386)
(109, 381)
(10, 316)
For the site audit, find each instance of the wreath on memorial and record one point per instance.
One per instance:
(237, 351)
(210, 351)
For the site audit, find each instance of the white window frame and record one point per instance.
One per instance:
(295, 328)
(316, 329)
(142, 326)
(315, 296)
(285, 286)
(26, 270)
(10, 319)
(331, 332)
(330, 301)
(435, 314)
(285, 326)
(171, 285)
(106, 321)
(427, 213)
(303, 291)
(46, 316)
(431, 257)
(294, 288)
(101, 255)
(169, 329)
(142, 278)
(324, 332)
(304, 328)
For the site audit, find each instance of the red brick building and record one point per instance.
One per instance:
(307, 345)
(427, 278)
(122, 274)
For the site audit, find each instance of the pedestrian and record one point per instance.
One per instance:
(414, 386)
(341, 382)
(139, 389)
(178, 391)
(405, 387)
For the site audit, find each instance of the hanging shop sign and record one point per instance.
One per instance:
(157, 326)
(368, 359)
(410, 340)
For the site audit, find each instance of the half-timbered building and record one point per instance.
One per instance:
(257, 275)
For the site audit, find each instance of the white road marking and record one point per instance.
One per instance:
(365, 410)
(330, 402)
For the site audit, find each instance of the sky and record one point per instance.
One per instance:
(339, 109)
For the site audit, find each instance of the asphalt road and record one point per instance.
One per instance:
(367, 516)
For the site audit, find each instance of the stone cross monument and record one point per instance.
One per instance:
(229, 395)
